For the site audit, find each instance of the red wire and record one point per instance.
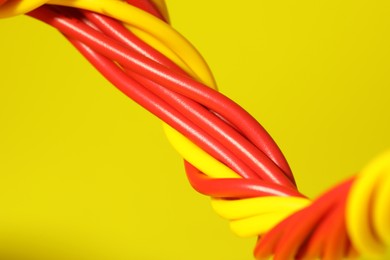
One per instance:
(195, 112)
(237, 188)
(314, 247)
(289, 236)
(166, 104)
(329, 239)
(336, 246)
(307, 221)
(222, 132)
(150, 101)
(234, 188)
(214, 123)
(278, 156)
(176, 82)
(211, 124)
(321, 209)
(119, 32)
(116, 30)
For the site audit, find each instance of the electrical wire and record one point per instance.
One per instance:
(153, 26)
(135, 91)
(197, 113)
(11, 8)
(119, 32)
(149, 24)
(107, 68)
(227, 154)
(230, 188)
(147, 68)
(211, 124)
(368, 209)
(289, 235)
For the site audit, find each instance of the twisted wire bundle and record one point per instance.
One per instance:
(227, 154)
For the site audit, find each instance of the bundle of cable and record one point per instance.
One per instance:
(228, 155)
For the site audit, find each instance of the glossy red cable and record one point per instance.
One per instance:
(117, 31)
(320, 210)
(234, 188)
(211, 124)
(337, 244)
(285, 240)
(306, 222)
(182, 84)
(195, 112)
(164, 111)
(153, 103)
(226, 188)
(329, 239)
(217, 125)
(314, 247)
(284, 251)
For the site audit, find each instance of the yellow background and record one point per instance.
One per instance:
(86, 173)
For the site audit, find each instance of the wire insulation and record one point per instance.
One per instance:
(227, 154)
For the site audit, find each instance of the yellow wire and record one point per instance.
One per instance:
(255, 216)
(259, 224)
(156, 44)
(14, 8)
(359, 207)
(196, 156)
(244, 208)
(382, 209)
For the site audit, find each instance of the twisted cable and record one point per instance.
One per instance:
(227, 154)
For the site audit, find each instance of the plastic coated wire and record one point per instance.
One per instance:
(211, 124)
(150, 69)
(370, 195)
(138, 93)
(107, 68)
(228, 155)
(196, 113)
(112, 27)
(255, 132)
(95, 60)
(234, 188)
(235, 114)
(287, 237)
(152, 26)
(118, 31)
